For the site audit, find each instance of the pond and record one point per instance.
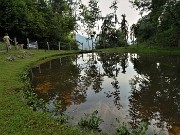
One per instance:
(123, 88)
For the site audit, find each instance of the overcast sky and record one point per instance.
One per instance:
(124, 7)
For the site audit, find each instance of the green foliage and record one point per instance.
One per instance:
(91, 121)
(37, 20)
(161, 25)
(141, 130)
(30, 96)
(90, 15)
(111, 36)
(124, 27)
(122, 130)
(62, 119)
(33, 101)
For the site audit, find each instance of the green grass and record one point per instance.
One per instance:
(144, 49)
(16, 118)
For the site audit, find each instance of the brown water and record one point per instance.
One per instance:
(127, 88)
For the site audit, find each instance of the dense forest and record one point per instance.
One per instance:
(161, 24)
(58, 20)
(38, 20)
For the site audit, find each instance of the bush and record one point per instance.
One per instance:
(91, 121)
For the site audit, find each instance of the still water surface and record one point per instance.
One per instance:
(124, 88)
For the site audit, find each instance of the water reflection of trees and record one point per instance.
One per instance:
(155, 90)
(111, 64)
(115, 94)
(60, 82)
(67, 81)
(93, 75)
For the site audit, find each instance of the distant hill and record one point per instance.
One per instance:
(83, 39)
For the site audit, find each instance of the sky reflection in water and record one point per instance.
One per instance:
(123, 88)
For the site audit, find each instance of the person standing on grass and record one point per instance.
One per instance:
(7, 39)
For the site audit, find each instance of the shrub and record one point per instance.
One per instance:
(91, 121)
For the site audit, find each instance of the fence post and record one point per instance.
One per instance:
(59, 45)
(37, 45)
(15, 43)
(48, 45)
(27, 43)
(60, 61)
(40, 68)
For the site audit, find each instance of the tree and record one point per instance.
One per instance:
(133, 32)
(90, 16)
(114, 7)
(124, 27)
(162, 21)
(106, 32)
(38, 20)
(170, 24)
(111, 35)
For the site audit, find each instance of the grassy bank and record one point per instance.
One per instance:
(144, 49)
(16, 118)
